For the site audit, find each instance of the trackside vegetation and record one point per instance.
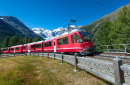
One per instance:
(117, 32)
(34, 70)
(15, 40)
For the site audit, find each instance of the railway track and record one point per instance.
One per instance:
(125, 59)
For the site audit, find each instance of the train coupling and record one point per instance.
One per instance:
(87, 51)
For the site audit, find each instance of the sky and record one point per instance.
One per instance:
(51, 14)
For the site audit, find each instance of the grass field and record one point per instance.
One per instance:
(34, 70)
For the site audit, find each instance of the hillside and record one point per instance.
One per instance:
(94, 27)
(7, 30)
(10, 26)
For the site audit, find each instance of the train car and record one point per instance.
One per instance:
(39, 46)
(16, 49)
(48, 46)
(5, 50)
(12, 50)
(74, 41)
(35, 46)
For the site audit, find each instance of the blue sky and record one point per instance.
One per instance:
(51, 14)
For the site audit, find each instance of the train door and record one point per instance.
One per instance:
(29, 48)
(54, 45)
(14, 49)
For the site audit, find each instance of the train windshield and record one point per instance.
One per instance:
(85, 36)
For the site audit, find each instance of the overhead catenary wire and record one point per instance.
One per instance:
(87, 9)
(94, 10)
(83, 15)
(100, 7)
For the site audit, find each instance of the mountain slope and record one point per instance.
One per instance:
(18, 25)
(10, 26)
(7, 30)
(94, 27)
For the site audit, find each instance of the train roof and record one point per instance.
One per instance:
(16, 46)
(34, 42)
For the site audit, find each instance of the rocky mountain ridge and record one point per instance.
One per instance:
(51, 33)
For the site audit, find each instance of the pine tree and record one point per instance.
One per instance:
(36, 39)
(29, 40)
(117, 32)
(6, 42)
(120, 31)
(102, 37)
(21, 41)
(24, 40)
(14, 40)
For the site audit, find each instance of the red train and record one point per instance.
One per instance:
(75, 41)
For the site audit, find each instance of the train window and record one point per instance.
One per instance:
(38, 45)
(62, 41)
(85, 36)
(72, 39)
(17, 48)
(47, 44)
(65, 40)
(59, 41)
(12, 48)
(78, 39)
(32, 46)
(23, 47)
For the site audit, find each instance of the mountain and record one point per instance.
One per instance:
(94, 27)
(18, 25)
(52, 33)
(10, 26)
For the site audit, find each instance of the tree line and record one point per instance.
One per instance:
(15, 40)
(117, 32)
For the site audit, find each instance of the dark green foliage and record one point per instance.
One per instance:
(117, 32)
(14, 41)
(36, 39)
(6, 42)
(29, 40)
(7, 30)
(103, 34)
(24, 40)
(120, 31)
(21, 41)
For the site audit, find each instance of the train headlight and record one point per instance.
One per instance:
(82, 45)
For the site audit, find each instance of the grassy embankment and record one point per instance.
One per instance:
(33, 70)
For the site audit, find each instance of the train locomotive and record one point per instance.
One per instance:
(75, 41)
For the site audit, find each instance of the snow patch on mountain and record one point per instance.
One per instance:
(1, 18)
(47, 34)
